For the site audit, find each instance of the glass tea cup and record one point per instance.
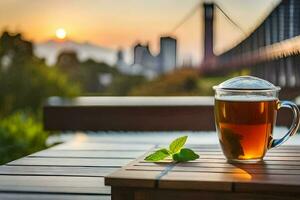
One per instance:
(245, 115)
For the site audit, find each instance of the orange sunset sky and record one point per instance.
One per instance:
(121, 23)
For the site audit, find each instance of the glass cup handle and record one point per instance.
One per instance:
(294, 127)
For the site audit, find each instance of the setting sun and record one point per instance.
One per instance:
(61, 33)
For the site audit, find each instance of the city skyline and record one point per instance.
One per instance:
(103, 22)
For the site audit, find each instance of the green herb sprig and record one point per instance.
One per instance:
(175, 151)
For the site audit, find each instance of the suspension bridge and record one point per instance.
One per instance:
(271, 51)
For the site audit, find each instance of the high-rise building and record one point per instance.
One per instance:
(167, 55)
(143, 56)
(121, 64)
(144, 63)
(150, 66)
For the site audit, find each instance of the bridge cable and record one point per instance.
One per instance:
(186, 17)
(231, 20)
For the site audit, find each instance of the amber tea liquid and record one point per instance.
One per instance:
(245, 126)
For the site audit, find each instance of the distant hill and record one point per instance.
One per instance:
(51, 48)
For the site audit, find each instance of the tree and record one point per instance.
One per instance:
(25, 80)
(179, 82)
(20, 134)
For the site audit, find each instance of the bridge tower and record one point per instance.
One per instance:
(208, 31)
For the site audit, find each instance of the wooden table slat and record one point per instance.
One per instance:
(87, 154)
(233, 170)
(102, 146)
(223, 165)
(86, 162)
(223, 161)
(34, 196)
(56, 171)
(53, 184)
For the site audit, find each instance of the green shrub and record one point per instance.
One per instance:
(182, 82)
(20, 135)
(27, 86)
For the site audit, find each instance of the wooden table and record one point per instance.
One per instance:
(76, 169)
(210, 177)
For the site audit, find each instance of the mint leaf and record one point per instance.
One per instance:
(185, 155)
(177, 144)
(176, 150)
(158, 155)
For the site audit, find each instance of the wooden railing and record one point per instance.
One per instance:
(135, 114)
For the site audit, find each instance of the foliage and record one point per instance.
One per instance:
(120, 85)
(26, 81)
(123, 84)
(87, 74)
(177, 144)
(20, 134)
(182, 82)
(27, 87)
(205, 84)
(179, 82)
(185, 155)
(175, 151)
(158, 155)
(90, 71)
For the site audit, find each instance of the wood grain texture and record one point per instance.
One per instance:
(78, 145)
(130, 118)
(279, 173)
(132, 178)
(75, 170)
(33, 196)
(233, 170)
(78, 171)
(192, 180)
(87, 154)
(165, 194)
(53, 184)
(83, 162)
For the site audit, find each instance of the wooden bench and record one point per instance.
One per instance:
(136, 114)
